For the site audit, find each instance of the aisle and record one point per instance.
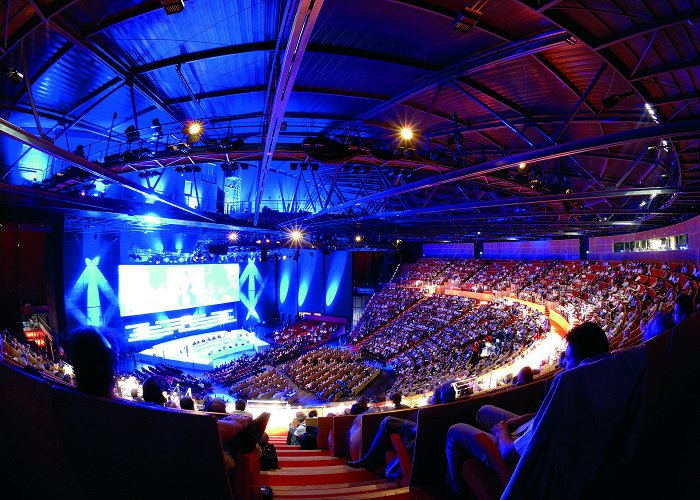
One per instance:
(314, 474)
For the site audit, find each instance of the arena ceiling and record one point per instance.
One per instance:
(530, 118)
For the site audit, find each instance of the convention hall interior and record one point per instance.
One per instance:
(418, 249)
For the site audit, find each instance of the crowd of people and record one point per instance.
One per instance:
(329, 373)
(415, 325)
(481, 338)
(312, 332)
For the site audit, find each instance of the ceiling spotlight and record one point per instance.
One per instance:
(612, 100)
(173, 6)
(468, 17)
(522, 165)
(406, 134)
(296, 235)
(358, 238)
(233, 236)
(193, 131)
(14, 75)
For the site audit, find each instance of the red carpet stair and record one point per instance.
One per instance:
(315, 474)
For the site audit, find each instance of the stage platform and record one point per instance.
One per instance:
(203, 352)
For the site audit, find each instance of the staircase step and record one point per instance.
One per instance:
(308, 461)
(394, 494)
(317, 487)
(333, 490)
(314, 476)
(301, 453)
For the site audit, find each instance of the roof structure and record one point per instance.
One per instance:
(529, 119)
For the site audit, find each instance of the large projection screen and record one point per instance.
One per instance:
(147, 289)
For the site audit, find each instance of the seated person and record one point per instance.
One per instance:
(240, 408)
(375, 456)
(524, 376)
(93, 362)
(187, 403)
(153, 392)
(510, 432)
(396, 399)
(658, 324)
(297, 429)
(683, 308)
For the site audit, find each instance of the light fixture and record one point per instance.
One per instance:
(14, 75)
(522, 165)
(173, 6)
(233, 236)
(612, 100)
(296, 235)
(194, 131)
(652, 112)
(406, 133)
(468, 17)
(358, 238)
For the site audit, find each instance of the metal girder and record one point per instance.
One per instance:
(667, 130)
(547, 198)
(126, 15)
(30, 26)
(648, 27)
(302, 26)
(45, 67)
(103, 91)
(665, 68)
(103, 57)
(555, 213)
(243, 48)
(501, 53)
(557, 135)
(28, 86)
(18, 134)
(554, 71)
(451, 14)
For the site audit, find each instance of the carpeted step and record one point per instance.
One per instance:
(308, 461)
(314, 476)
(301, 453)
(331, 490)
(394, 494)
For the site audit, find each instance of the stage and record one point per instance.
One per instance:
(205, 351)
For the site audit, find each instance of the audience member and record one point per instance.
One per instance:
(187, 403)
(153, 392)
(240, 406)
(682, 308)
(93, 362)
(511, 432)
(396, 399)
(658, 324)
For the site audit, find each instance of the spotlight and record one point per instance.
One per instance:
(612, 100)
(522, 165)
(358, 238)
(406, 134)
(233, 236)
(466, 19)
(173, 6)
(194, 131)
(296, 236)
(14, 75)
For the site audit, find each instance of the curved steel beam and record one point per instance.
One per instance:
(673, 129)
(18, 134)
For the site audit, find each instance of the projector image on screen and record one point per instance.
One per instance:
(147, 289)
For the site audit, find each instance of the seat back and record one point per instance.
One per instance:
(325, 424)
(32, 446)
(429, 458)
(341, 429)
(120, 449)
(370, 423)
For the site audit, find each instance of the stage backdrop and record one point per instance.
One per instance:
(91, 263)
(316, 282)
